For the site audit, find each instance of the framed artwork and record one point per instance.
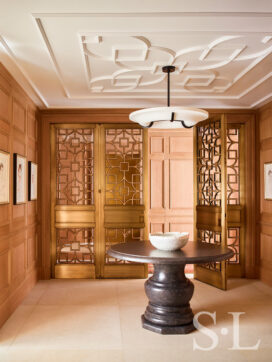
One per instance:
(32, 180)
(4, 177)
(19, 179)
(268, 181)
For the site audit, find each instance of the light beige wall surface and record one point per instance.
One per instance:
(18, 223)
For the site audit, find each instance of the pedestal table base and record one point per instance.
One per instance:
(169, 293)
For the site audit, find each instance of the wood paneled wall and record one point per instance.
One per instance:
(18, 223)
(171, 181)
(265, 214)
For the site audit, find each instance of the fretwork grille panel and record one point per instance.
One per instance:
(74, 166)
(124, 166)
(211, 237)
(233, 167)
(75, 246)
(208, 164)
(115, 236)
(233, 241)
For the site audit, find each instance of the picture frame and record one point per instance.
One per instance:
(32, 181)
(268, 180)
(19, 179)
(4, 177)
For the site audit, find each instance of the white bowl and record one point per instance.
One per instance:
(169, 241)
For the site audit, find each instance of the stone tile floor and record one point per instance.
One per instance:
(99, 320)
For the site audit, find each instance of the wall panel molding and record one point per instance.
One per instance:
(18, 223)
(264, 143)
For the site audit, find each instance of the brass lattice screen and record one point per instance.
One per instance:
(209, 164)
(123, 181)
(124, 166)
(74, 166)
(74, 187)
(219, 194)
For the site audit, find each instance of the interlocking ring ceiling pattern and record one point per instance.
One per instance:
(114, 59)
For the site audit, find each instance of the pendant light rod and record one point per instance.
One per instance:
(168, 89)
(168, 69)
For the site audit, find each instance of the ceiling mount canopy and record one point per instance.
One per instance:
(168, 117)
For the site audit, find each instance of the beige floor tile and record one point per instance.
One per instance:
(262, 355)
(71, 327)
(13, 325)
(36, 293)
(92, 355)
(135, 336)
(92, 292)
(61, 355)
(239, 291)
(100, 320)
(131, 292)
(181, 355)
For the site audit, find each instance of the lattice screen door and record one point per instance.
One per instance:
(98, 198)
(219, 195)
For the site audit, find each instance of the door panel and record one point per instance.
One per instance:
(122, 187)
(210, 195)
(73, 224)
(97, 184)
(216, 141)
(171, 182)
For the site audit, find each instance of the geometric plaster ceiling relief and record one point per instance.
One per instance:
(206, 63)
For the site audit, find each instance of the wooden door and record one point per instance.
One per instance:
(171, 181)
(97, 198)
(123, 185)
(210, 195)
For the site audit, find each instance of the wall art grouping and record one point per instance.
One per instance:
(22, 191)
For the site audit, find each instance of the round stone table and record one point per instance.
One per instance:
(169, 291)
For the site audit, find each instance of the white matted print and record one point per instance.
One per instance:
(268, 181)
(32, 180)
(4, 177)
(19, 179)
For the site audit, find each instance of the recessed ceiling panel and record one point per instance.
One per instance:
(115, 60)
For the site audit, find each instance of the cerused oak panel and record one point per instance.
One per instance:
(19, 227)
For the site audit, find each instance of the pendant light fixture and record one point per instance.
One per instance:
(168, 117)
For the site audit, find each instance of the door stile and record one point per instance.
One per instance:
(97, 202)
(223, 199)
(53, 198)
(242, 201)
(102, 249)
(145, 190)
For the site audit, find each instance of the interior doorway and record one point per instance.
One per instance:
(98, 198)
